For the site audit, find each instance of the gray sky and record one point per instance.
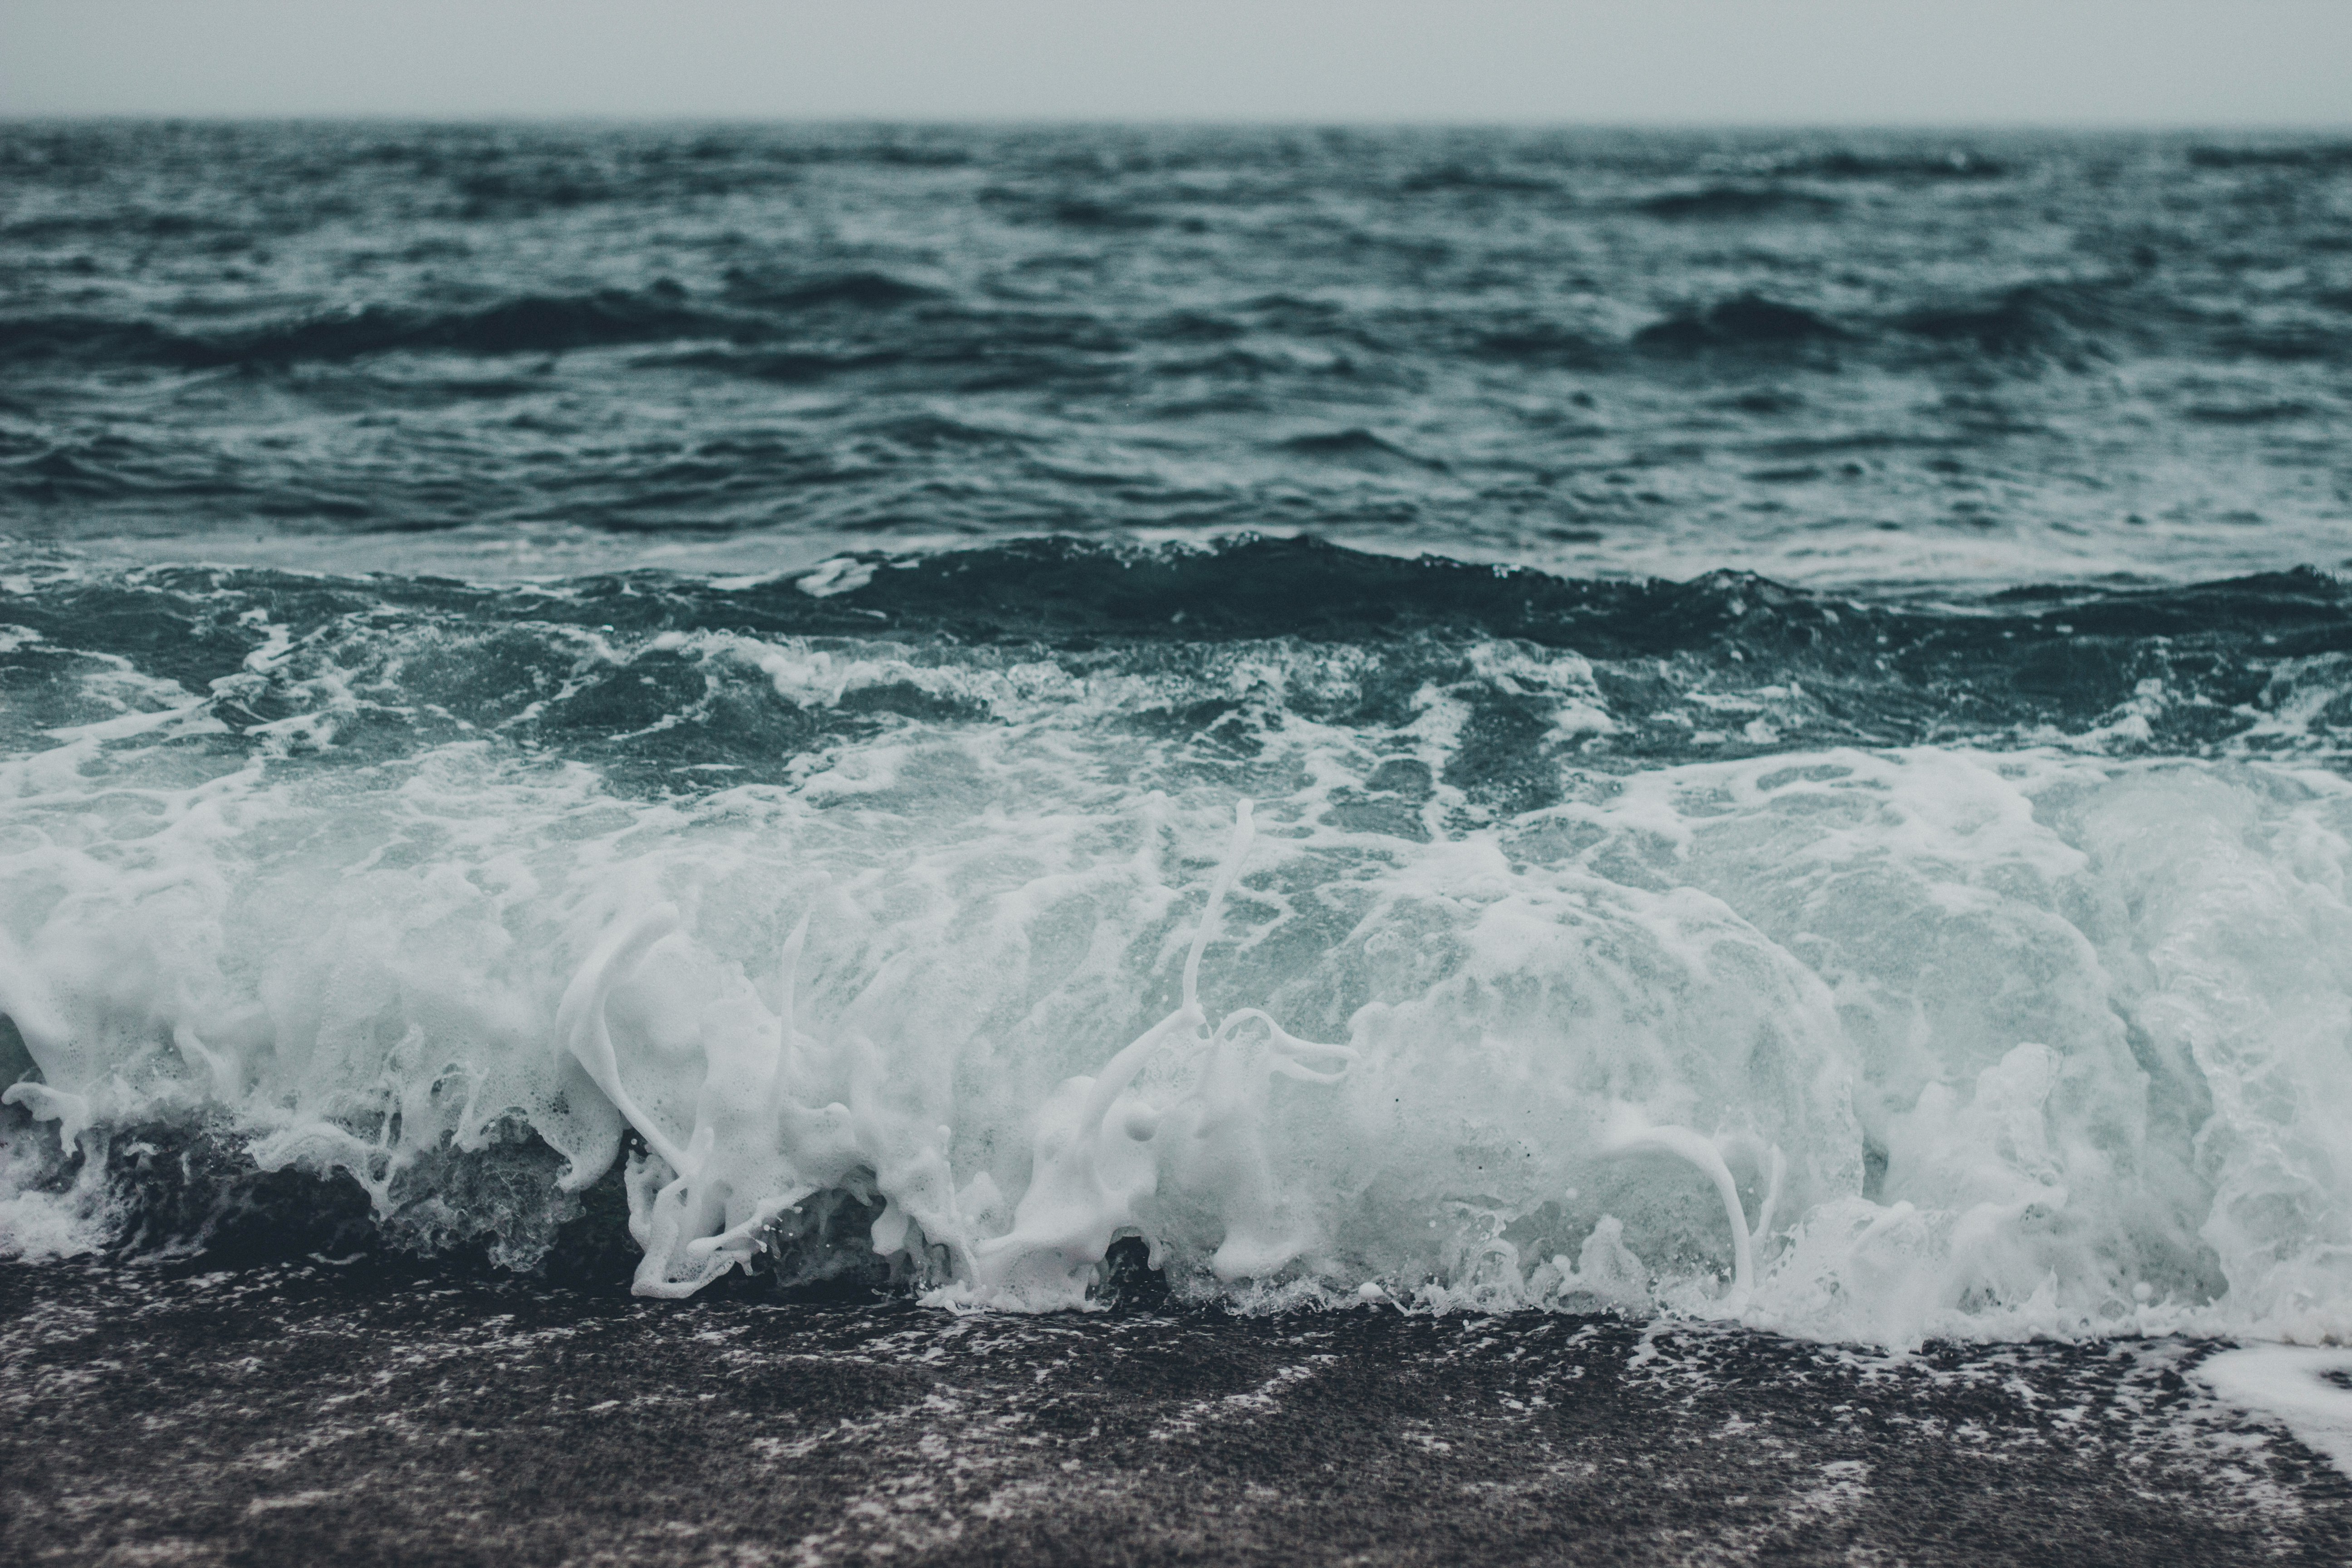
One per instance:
(2131, 62)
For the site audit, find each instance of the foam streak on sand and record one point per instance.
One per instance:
(2305, 1387)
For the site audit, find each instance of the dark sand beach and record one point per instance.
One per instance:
(310, 1414)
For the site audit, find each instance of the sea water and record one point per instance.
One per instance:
(1732, 728)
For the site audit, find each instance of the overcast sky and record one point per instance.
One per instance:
(2054, 62)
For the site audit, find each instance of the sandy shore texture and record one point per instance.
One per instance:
(311, 1415)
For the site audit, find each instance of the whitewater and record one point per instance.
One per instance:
(1023, 955)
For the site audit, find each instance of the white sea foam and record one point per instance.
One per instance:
(2304, 1386)
(1854, 1043)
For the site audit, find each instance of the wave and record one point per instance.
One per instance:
(528, 324)
(2246, 413)
(1865, 971)
(502, 190)
(788, 325)
(852, 290)
(1357, 448)
(950, 349)
(760, 311)
(1739, 202)
(2030, 318)
(2324, 157)
(2257, 664)
(2058, 320)
(1846, 164)
(1071, 210)
(134, 223)
(1541, 343)
(1745, 322)
(1872, 1046)
(1479, 179)
(2301, 342)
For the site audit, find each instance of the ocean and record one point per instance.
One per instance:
(1660, 783)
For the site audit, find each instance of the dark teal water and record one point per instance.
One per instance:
(1990, 358)
(1833, 643)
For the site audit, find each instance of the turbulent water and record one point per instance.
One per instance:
(1757, 728)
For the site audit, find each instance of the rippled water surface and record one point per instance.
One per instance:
(1995, 359)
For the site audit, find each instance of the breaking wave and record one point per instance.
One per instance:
(1576, 950)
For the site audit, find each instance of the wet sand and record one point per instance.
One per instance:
(311, 1415)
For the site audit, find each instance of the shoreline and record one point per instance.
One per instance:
(307, 1413)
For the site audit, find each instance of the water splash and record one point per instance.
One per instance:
(701, 1200)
